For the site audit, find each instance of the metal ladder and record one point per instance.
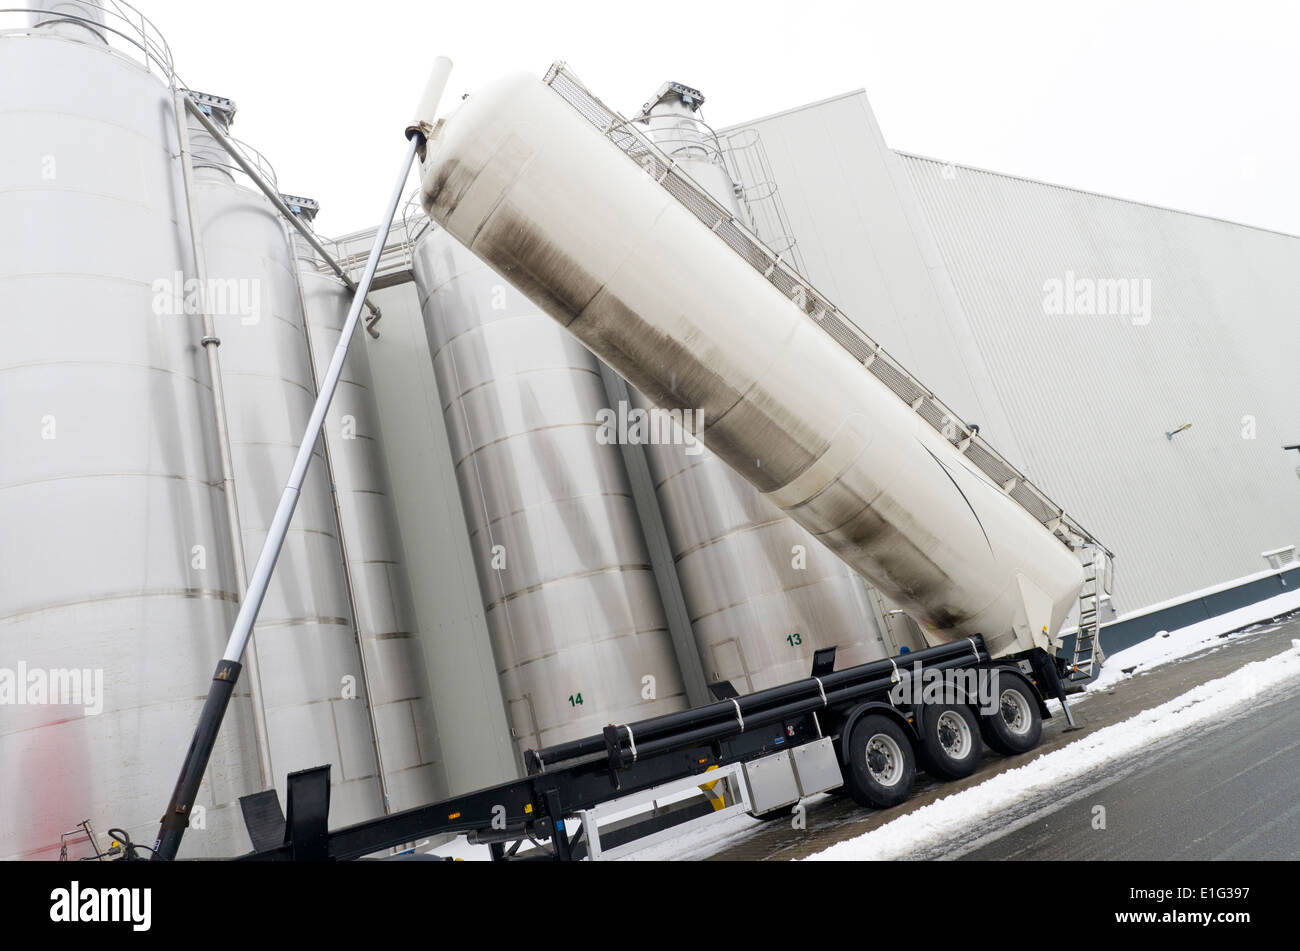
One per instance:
(1088, 655)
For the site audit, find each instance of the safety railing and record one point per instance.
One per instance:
(124, 29)
(254, 158)
(747, 163)
(398, 256)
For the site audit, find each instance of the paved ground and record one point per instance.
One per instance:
(1208, 798)
(1228, 792)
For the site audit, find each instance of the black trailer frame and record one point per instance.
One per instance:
(626, 758)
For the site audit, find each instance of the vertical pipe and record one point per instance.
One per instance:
(211, 343)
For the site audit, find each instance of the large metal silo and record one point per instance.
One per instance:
(762, 593)
(114, 558)
(313, 676)
(577, 627)
(372, 543)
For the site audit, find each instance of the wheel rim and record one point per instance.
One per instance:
(954, 734)
(1015, 712)
(884, 759)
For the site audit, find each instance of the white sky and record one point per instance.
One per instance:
(1193, 105)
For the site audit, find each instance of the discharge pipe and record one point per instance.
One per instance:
(176, 819)
(753, 708)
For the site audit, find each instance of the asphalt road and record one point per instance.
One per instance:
(1229, 792)
(1201, 778)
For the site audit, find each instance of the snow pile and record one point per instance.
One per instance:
(1173, 645)
(937, 822)
(699, 842)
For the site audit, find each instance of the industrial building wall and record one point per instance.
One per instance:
(1208, 336)
(1081, 401)
(860, 236)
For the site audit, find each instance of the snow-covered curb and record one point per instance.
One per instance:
(935, 823)
(1173, 645)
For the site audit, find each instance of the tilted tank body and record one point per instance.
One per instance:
(569, 595)
(762, 593)
(534, 189)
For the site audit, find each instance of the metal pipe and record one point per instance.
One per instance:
(755, 705)
(176, 819)
(293, 488)
(280, 206)
(211, 345)
(718, 731)
(348, 580)
(421, 126)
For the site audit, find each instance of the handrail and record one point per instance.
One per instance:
(398, 253)
(121, 20)
(252, 156)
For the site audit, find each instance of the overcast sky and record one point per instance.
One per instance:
(1192, 105)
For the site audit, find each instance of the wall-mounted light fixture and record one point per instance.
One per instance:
(1180, 429)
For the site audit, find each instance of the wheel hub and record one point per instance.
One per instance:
(1015, 711)
(884, 760)
(953, 734)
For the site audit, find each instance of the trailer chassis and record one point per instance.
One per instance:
(773, 746)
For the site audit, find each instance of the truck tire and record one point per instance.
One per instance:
(950, 746)
(881, 763)
(1016, 726)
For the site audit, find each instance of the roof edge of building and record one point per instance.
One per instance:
(902, 153)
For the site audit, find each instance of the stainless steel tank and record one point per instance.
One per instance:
(762, 593)
(312, 673)
(577, 629)
(372, 544)
(114, 561)
(536, 190)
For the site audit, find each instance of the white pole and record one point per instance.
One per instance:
(176, 819)
(261, 577)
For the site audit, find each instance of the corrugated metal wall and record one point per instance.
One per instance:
(948, 267)
(1091, 396)
(861, 236)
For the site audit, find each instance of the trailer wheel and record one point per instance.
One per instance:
(1016, 726)
(950, 745)
(881, 763)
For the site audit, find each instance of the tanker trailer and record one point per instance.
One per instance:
(585, 216)
(595, 225)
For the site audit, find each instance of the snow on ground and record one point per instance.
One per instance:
(700, 842)
(937, 822)
(1167, 646)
